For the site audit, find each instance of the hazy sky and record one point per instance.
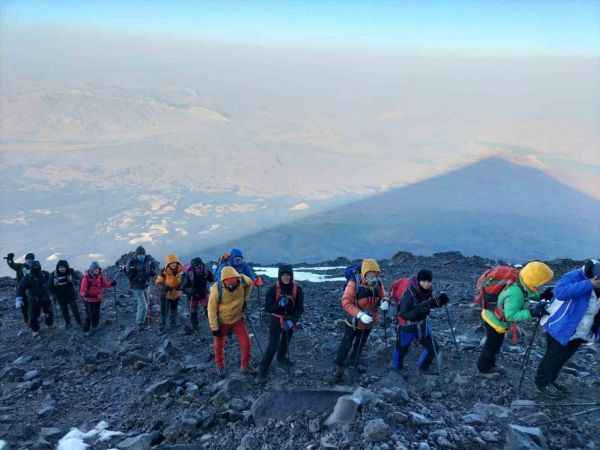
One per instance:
(473, 27)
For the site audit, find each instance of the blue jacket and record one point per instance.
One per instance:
(243, 268)
(572, 295)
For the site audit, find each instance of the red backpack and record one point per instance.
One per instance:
(399, 287)
(492, 282)
(294, 291)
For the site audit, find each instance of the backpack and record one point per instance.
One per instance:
(492, 283)
(294, 291)
(352, 273)
(399, 287)
(220, 289)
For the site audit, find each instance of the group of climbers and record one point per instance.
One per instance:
(569, 312)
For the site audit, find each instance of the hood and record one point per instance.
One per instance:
(140, 250)
(286, 268)
(535, 274)
(591, 269)
(235, 252)
(229, 272)
(369, 265)
(172, 258)
(62, 263)
(93, 266)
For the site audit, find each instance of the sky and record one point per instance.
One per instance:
(508, 28)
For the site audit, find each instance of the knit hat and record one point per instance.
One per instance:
(592, 268)
(286, 269)
(62, 263)
(369, 265)
(29, 257)
(535, 274)
(140, 250)
(196, 262)
(170, 259)
(94, 265)
(425, 275)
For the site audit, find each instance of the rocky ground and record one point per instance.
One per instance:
(161, 391)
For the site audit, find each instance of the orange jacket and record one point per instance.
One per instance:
(170, 279)
(368, 302)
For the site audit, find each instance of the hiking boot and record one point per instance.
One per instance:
(338, 377)
(560, 387)
(248, 371)
(548, 392)
(494, 372)
(285, 362)
(262, 377)
(35, 334)
(221, 373)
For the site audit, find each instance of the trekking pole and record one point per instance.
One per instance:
(525, 361)
(453, 333)
(255, 335)
(385, 329)
(568, 416)
(115, 304)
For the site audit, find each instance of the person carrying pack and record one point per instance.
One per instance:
(34, 287)
(91, 291)
(414, 301)
(235, 259)
(363, 296)
(170, 280)
(285, 304)
(512, 305)
(195, 285)
(21, 270)
(573, 319)
(226, 306)
(140, 270)
(63, 282)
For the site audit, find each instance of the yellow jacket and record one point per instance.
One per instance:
(230, 308)
(171, 279)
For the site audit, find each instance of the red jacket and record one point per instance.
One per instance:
(362, 299)
(91, 287)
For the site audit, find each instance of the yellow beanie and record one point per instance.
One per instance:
(535, 274)
(369, 265)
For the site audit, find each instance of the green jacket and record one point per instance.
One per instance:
(513, 301)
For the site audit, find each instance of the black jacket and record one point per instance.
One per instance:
(195, 284)
(35, 287)
(64, 286)
(294, 308)
(19, 268)
(139, 273)
(416, 304)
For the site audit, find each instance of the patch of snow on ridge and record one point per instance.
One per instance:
(300, 207)
(299, 274)
(79, 440)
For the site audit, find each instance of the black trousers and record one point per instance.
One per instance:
(493, 344)
(92, 319)
(406, 336)
(25, 309)
(168, 307)
(554, 359)
(36, 307)
(355, 339)
(65, 304)
(279, 341)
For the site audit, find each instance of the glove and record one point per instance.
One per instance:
(442, 299)
(113, 283)
(364, 318)
(217, 333)
(10, 256)
(547, 294)
(258, 282)
(288, 325)
(538, 310)
(18, 302)
(385, 305)
(283, 301)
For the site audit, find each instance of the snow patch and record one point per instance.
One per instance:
(198, 209)
(300, 207)
(300, 275)
(210, 229)
(54, 257)
(79, 440)
(181, 231)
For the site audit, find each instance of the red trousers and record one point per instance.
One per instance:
(241, 333)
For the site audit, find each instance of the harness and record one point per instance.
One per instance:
(291, 298)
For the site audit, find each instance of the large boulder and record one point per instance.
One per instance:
(377, 430)
(139, 442)
(525, 438)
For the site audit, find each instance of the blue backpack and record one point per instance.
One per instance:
(352, 273)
